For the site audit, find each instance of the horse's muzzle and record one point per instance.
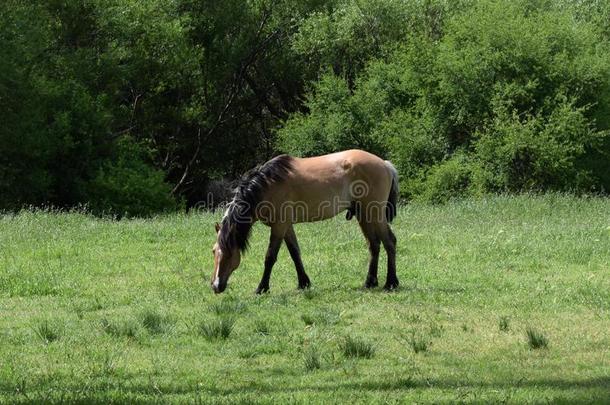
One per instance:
(218, 287)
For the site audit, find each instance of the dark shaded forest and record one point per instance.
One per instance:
(138, 107)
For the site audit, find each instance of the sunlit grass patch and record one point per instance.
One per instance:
(460, 277)
(320, 316)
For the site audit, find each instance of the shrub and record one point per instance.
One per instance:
(499, 97)
(449, 179)
(535, 152)
(128, 186)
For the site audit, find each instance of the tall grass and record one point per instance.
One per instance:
(357, 347)
(48, 331)
(216, 329)
(536, 339)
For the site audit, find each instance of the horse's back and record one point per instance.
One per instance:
(320, 187)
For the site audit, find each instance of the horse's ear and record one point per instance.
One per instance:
(217, 226)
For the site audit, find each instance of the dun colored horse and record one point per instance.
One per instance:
(288, 190)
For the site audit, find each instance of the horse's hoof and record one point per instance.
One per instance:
(304, 284)
(391, 286)
(371, 283)
(261, 290)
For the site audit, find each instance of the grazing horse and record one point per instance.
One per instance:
(288, 190)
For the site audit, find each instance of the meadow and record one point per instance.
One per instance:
(502, 299)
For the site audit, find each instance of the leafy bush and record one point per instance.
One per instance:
(504, 96)
(129, 186)
(536, 152)
(451, 178)
(520, 88)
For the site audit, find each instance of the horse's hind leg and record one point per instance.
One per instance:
(373, 241)
(295, 253)
(389, 243)
(275, 241)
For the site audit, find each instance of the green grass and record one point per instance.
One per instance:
(216, 329)
(504, 323)
(536, 339)
(95, 310)
(155, 322)
(47, 331)
(420, 343)
(357, 347)
(125, 328)
(311, 358)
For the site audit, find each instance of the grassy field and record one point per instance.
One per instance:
(501, 300)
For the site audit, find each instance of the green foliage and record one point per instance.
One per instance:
(504, 97)
(520, 90)
(536, 152)
(129, 186)
(449, 179)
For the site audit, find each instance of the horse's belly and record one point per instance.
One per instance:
(318, 212)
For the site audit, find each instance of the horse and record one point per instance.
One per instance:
(288, 190)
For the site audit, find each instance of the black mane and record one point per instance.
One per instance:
(237, 223)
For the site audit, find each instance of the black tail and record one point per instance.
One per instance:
(390, 209)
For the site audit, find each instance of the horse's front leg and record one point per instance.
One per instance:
(275, 241)
(295, 254)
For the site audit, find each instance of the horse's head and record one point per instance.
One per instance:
(225, 261)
